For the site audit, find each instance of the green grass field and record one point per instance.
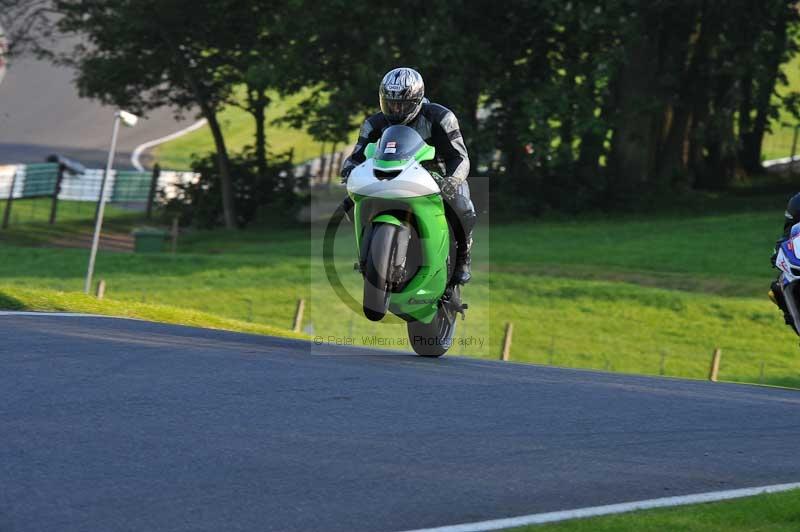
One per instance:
(778, 512)
(239, 128)
(28, 221)
(647, 296)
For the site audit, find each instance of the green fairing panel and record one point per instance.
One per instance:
(419, 299)
(386, 219)
(426, 153)
(389, 164)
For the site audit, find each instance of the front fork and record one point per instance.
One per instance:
(788, 291)
(398, 274)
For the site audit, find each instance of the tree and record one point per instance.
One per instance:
(145, 54)
(264, 55)
(27, 24)
(345, 62)
(772, 45)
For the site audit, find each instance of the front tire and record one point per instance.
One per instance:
(377, 276)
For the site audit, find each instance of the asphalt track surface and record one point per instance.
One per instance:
(41, 114)
(120, 425)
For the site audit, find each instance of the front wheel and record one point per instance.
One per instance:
(377, 275)
(435, 338)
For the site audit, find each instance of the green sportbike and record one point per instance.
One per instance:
(406, 247)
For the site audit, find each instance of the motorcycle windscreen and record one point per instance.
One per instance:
(398, 143)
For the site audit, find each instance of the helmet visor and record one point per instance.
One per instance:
(398, 110)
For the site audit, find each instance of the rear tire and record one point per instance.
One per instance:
(377, 276)
(435, 338)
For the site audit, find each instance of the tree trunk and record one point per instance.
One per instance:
(650, 135)
(751, 159)
(258, 104)
(635, 138)
(592, 137)
(749, 149)
(673, 161)
(720, 138)
(224, 165)
(209, 113)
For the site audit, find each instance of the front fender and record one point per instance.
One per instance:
(387, 219)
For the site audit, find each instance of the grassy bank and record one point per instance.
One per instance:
(652, 296)
(779, 512)
(239, 129)
(778, 142)
(44, 300)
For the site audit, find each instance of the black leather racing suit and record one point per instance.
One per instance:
(790, 218)
(438, 126)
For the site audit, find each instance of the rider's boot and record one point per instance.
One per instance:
(463, 269)
(776, 296)
(465, 215)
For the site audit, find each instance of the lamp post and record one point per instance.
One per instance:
(129, 120)
(3, 49)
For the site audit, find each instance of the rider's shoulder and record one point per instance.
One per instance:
(374, 124)
(441, 115)
(435, 111)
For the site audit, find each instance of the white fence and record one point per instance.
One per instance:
(40, 180)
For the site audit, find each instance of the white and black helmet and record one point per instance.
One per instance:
(401, 93)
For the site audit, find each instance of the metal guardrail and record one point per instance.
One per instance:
(40, 180)
(55, 181)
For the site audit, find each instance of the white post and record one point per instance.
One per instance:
(129, 120)
(101, 206)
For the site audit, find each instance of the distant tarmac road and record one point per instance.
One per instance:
(41, 114)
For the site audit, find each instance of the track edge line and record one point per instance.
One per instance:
(141, 148)
(611, 509)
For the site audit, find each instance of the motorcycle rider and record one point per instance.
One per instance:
(402, 101)
(791, 217)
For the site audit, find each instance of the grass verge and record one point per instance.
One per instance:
(778, 512)
(650, 296)
(28, 299)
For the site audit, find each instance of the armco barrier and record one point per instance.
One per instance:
(53, 180)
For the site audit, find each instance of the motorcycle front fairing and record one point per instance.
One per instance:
(788, 262)
(403, 193)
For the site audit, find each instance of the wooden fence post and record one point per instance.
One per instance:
(323, 165)
(101, 289)
(506, 354)
(174, 232)
(56, 191)
(151, 194)
(298, 315)
(713, 375)
(330, 163)
(10, 200)
(320, 178)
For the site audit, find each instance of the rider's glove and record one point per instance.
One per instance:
(774, 258)
(346, 173)
(448, 186)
